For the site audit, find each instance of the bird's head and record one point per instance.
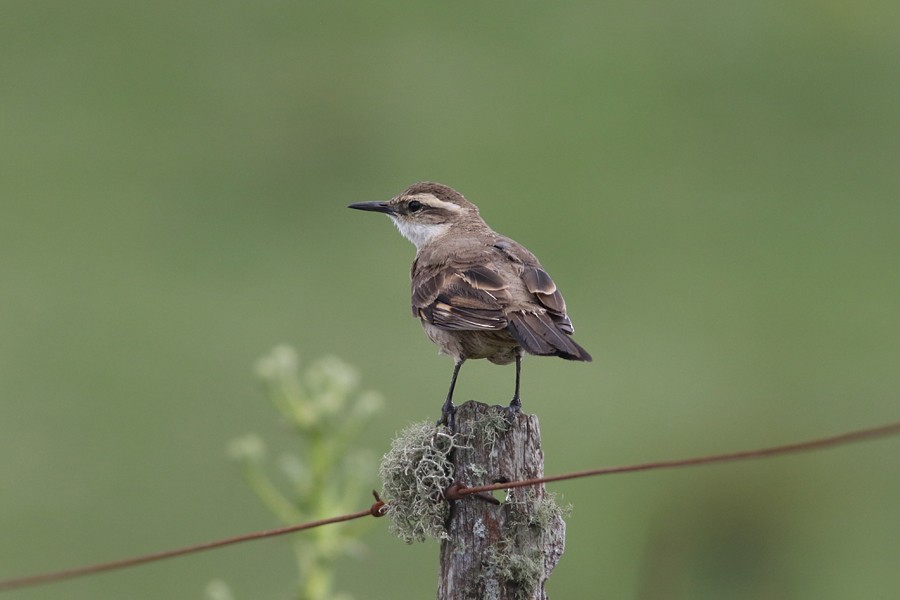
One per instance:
(425, 211)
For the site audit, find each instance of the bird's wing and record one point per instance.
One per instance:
(542, 332)
(538, 282)
(463, 297)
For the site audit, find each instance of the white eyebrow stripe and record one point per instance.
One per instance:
(435, 202)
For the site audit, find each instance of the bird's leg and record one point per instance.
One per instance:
(515, 405)
(448, 409)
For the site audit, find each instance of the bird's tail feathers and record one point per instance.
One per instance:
(539, 335)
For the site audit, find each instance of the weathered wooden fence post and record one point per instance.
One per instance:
(503, 552)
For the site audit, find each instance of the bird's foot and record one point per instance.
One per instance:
(448, 412)
(514, 409)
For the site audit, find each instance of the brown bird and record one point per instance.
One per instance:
(477, 293)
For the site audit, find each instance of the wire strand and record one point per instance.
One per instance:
(42, 578)
(809, 445)
(377, 509)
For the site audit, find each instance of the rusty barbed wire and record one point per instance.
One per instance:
(376, 510)
(455, 492)
(809, 445)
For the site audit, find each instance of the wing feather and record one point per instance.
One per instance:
(471, 292)
(483, 278)
(468, 299)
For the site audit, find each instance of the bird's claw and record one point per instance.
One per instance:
(514, 409)
(448, 412)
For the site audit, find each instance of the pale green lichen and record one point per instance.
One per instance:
(514, 563)
(414, 474)
(491, 427)
(477, 470)
(543, 513)
(523, 571)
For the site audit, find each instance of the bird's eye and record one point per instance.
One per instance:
(415, 206)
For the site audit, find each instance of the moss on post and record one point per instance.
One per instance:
(503, 551)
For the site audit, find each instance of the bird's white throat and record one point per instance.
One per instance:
(420, 233)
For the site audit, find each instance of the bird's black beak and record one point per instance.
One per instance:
(382, 207)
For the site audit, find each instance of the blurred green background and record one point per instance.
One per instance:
(713, 185)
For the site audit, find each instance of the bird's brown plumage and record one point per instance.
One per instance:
(477, 293)
(481, 295)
